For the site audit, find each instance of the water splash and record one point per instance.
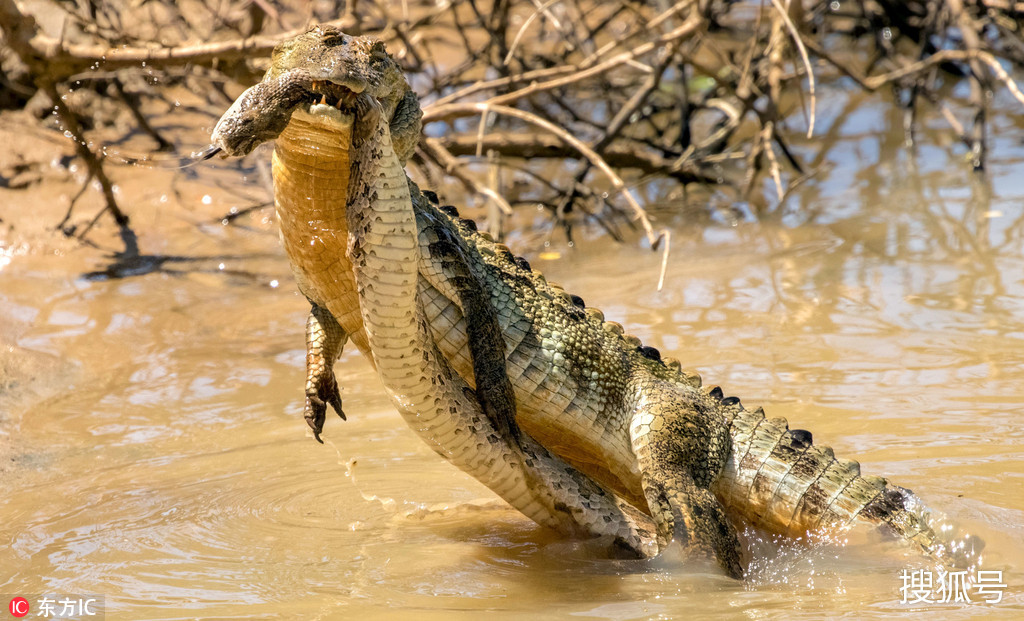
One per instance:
(808, 562)
(386, 502)
(953, 544)
(417, 511)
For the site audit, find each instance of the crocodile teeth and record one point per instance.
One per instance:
(323, 99)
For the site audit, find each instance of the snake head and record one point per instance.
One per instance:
(321, 73)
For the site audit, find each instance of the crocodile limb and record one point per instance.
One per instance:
(312, 170)
(325, 340)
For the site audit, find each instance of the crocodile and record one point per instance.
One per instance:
(324, 178)
(574, 422)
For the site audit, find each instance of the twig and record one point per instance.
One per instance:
(480, 130)
(873, 83)
(437, 110)
(532, 146)
(970, 38)
(542, 9)
(686, 28)
(766, 138)
(638, 212)
(65, 59)
(132, 102)
(451, 165)
(71, 124)
(803, 56)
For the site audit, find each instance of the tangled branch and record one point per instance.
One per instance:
(572, 96)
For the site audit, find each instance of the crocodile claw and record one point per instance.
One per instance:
(317, 398)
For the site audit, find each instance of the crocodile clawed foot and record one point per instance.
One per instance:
(317, 398)
(315, 414)
(680, 451)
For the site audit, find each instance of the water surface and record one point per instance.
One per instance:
(154, 452)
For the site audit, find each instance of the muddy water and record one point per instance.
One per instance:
(153, 450)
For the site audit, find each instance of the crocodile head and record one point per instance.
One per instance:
(318, 75)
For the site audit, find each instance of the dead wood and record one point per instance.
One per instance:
(563, 93)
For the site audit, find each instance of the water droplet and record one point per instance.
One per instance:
(220, 266)
(274, 284)
(207, 199)
(834, 5)
(163, 198)
(116, 189)
(887, 33)
(233, 210)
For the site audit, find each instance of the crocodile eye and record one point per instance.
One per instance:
(332, 38)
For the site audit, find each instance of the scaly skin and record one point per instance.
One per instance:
(697, 462)
(349, 230)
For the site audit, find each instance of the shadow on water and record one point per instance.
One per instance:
(128, 265)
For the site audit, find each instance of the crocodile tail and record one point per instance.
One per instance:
(776, 479)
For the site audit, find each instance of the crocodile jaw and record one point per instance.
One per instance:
(325, 117)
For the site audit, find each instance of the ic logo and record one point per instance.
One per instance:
(18, 607)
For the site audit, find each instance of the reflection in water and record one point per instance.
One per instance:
(154, 451)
